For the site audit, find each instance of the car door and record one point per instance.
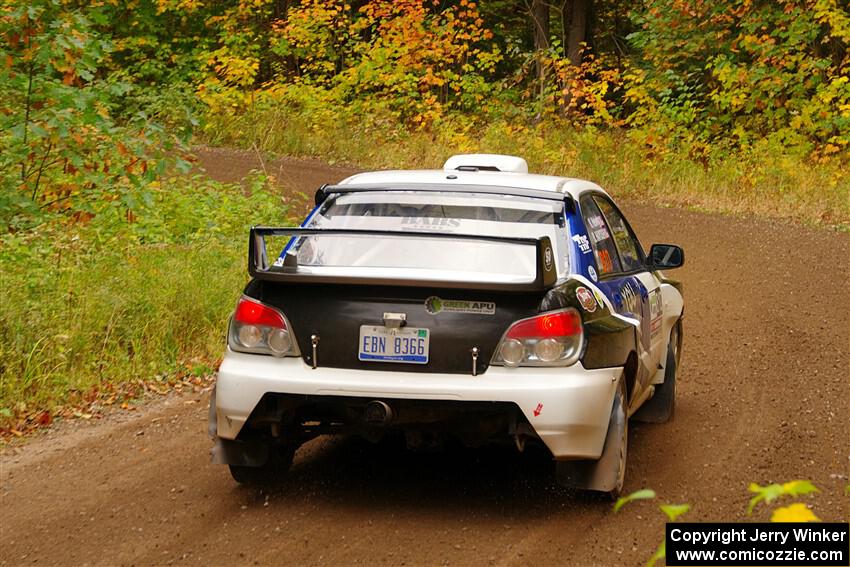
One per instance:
(624, 278)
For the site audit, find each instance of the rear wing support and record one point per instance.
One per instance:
(259, 267)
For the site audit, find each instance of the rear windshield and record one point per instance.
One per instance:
(447, 213)
(453, 212)
(410, 211)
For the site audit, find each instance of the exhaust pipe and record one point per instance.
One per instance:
(378, 413)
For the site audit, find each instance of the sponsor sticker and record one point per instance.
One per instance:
(583, 243)
(596, 221)
(605, 262)
(434, 305)
(598, 229)
(430, 224)
(656, 310)
(591, 271)
(586, 299)
(600, 234)
(599, 297)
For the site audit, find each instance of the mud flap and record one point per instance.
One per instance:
(212, 423)
(242, 453)
(603, 474)
(662, 405)
(234, 452)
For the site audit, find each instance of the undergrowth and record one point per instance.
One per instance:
(85, 306)
(764, 181)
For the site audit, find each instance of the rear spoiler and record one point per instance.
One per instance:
(259, 267)
(326, 190)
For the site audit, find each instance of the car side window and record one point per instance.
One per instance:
(631, 257)
(601, 241)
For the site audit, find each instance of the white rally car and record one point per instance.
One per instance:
(478, 303)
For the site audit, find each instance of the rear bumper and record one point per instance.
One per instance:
(569, 408)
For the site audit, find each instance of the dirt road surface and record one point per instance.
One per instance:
(764, 396)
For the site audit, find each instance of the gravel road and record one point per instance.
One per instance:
(764, 396)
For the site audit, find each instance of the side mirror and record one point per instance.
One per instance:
(665, 257)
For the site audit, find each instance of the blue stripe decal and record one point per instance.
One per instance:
(584, 263)
(292, 241)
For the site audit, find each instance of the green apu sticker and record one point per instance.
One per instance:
(434, 305)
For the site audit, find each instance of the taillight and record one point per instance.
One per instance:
(551, 339)
(259, 328)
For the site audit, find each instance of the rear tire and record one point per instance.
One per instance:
(661, 407)
(272, 471)
(622, 431)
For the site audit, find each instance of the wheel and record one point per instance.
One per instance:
(274, 469)
(662, 405)
(619, 428)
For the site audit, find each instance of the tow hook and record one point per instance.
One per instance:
(314, 340)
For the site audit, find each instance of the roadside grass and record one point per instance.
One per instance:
(766, 182)
(86, 308)
(124, 314)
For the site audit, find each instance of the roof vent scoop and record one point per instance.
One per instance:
(486, 162)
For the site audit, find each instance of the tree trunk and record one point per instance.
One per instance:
(578, 30)
(540, 29)
(540, 24)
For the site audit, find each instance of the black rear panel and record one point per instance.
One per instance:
(335, 313)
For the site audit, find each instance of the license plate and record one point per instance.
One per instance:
(380, 344)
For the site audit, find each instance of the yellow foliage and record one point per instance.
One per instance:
(798, 512)
(829, 12)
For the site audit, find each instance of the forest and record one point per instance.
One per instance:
(739, 107)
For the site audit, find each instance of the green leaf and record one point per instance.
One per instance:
(659, 554)
(767, 493)
(645, 494)
(5, 412)
(673, 511)
(771, 492)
